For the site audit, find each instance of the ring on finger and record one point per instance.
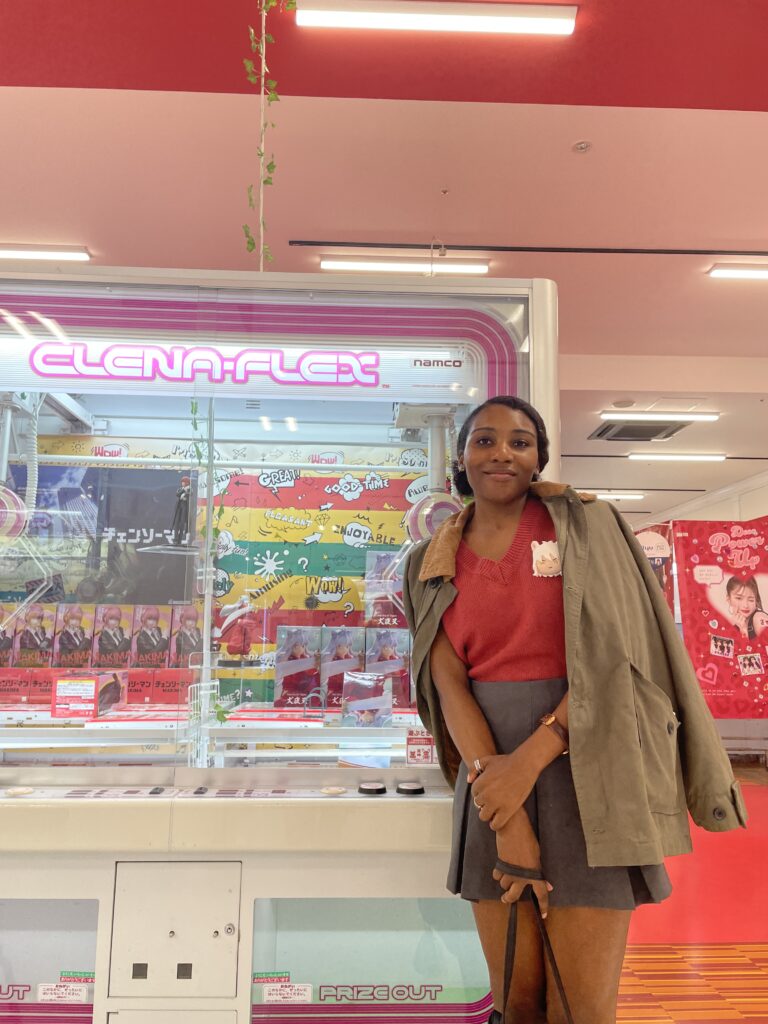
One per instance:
(477, 805)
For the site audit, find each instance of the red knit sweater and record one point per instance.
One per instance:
(506, 623)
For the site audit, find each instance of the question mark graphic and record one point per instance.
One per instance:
(304, 562)
(348, 608)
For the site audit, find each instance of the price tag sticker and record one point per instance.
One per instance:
(62, 992)
(420, 748)
(289, 993)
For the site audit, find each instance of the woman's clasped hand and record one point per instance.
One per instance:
(517, 845)
(503, 786)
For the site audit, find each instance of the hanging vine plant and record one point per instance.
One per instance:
(257, 73)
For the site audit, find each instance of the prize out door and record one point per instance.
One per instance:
(175, 930)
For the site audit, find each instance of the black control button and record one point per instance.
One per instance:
(372, 789)
(719, 814)
(410, 789)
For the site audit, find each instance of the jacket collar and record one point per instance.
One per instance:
(440, 557)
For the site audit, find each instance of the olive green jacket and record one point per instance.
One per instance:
(643, 745)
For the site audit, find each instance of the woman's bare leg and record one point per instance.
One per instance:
(527, 997)
(589, 944)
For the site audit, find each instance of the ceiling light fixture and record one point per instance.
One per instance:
(660, 417)
(291, 423)
(653, 457)
(607, 496)
(740, 271)
(429, 16)
(266, 422)
(426, 267)
(66, 253)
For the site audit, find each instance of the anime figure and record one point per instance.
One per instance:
(112, 641)
(189, 639)
(151, 643)
(236, 627)
(6, 642)
(339, 648)
(294, 687)
(180, 525)
(34, 637)
(383, 649)
(74, 642)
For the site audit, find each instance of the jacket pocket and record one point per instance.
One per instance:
(657, 726)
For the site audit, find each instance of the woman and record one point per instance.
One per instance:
(746, 606)
(551, 675)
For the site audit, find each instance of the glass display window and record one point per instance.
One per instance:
(206, 499)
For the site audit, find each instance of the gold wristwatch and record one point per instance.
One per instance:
(551, 721)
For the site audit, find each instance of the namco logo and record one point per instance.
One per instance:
(110, 451)
(438, 362)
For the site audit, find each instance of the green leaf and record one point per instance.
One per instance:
(271, 167)
(272, 97)
(221, 714)
(251, 201)
(268, 38)
(198, 452)
(271, 84)
(267, 253)
(290, 5)
(250, 241)
(255, 41)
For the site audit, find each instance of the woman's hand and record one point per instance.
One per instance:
(503, 786)
(740, 620)
(517, 844)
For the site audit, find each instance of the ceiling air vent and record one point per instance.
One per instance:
(252, 404)
(618, 431)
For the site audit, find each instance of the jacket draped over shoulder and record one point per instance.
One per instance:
(644, 748)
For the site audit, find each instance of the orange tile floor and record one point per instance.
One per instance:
(702, 955)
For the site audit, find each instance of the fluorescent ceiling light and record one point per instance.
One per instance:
(69, 254)
(607, 496)
(427, 16)
(741, 271)
(291, 423)
(661, 417)
(266, 422)
(382, 266)
(653, 457)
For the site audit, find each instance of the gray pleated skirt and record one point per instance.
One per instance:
(513, 711)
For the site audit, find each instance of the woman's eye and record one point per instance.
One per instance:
(522, 443)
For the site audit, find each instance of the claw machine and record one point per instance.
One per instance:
(210, 760)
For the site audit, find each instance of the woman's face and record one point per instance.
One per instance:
(501, 454)
(34, 622)
(75, 621)
(151, 623)
(342, 651)
(113, 623)
(743, 601)
(298, 651)
(387, 651)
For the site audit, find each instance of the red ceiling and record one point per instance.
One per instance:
(646, 53)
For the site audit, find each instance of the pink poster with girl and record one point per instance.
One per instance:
(722, 575)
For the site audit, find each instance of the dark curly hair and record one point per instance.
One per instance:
(460, 479)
